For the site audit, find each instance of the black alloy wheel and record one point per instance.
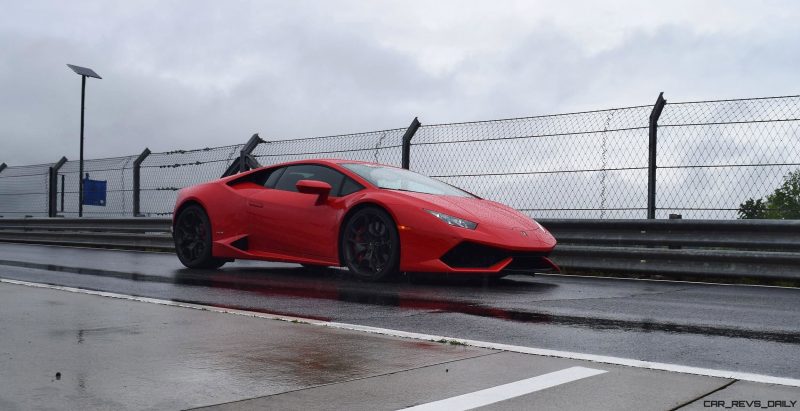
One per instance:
(192, 235)
(370, 245)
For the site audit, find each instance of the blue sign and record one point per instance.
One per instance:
(94, 192)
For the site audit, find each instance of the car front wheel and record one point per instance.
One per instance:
(371, 245)
(192, 235)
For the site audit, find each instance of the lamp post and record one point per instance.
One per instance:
(83, 72)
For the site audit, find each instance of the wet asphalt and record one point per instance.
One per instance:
(740, 328)
(72, 350)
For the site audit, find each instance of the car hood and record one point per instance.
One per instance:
(481, 211)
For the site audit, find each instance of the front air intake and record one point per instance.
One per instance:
(473, 255)
(529, 263)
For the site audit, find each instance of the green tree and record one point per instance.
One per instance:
(783, 203)
(752, 209)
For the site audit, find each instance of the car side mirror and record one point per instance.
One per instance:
(320, 188)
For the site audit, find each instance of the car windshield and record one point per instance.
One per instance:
(392, 178)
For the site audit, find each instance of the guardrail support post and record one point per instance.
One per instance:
(412, 129)
(653, 150)
(245, 161)
(137, 172)
(52, 188)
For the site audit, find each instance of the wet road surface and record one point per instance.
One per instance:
(740, 328)
(80, 350)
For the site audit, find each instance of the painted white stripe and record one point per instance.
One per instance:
(767, 379)
(507, 391)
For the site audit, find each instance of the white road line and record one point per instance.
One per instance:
(766, 379)
(507, 391)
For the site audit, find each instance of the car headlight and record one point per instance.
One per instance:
(454, 221)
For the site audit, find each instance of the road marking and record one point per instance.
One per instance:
(507, 391)
(736, 375)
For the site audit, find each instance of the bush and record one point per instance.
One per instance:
(783, 203)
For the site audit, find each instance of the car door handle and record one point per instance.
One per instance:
(255, 204)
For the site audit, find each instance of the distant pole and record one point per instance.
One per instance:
(80, 163)
(83, 72)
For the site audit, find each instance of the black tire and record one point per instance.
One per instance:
(192, 235)
(370, 245)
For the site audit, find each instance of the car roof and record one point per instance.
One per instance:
(335, 162)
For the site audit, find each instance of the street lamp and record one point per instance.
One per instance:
(83, 72)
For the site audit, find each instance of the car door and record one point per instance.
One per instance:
(294, 223)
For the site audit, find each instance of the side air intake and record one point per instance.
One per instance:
(242, 244)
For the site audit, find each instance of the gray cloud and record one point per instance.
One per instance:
(195, 74)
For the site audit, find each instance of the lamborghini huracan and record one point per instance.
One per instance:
(374, 219)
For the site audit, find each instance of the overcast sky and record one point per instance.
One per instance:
(189, 74)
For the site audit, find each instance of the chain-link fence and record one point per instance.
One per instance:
(24, 191)
(116, 172)
(712, 157)
(163, 174)
(579, 165)
(715, 155)
(377, 146)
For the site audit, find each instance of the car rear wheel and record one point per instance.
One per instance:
(193, 239)
(370, 245)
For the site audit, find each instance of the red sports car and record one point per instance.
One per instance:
(375, 219)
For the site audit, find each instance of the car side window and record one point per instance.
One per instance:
(349, 187)
(273, 177)
(289, 178)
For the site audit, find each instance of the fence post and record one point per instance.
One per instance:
(653, 149)
(245, 161)
(137, 173)
(3, 167)
(412, 129)
(52, 187)
(62, 192)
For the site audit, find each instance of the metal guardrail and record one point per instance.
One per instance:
(151, 234)
(747, 234)
(768, 249)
